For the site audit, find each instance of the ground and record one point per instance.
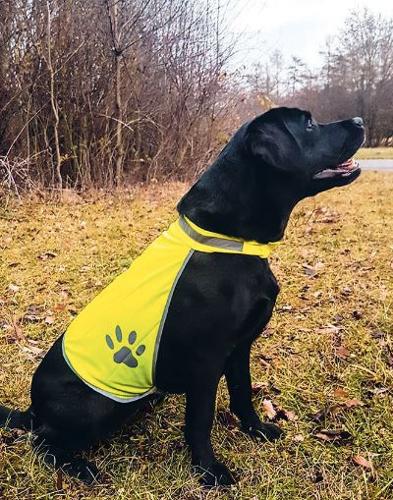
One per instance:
(375, 154)
(324, 364)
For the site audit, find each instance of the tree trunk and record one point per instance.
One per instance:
(118, 101)
(119, 123)
(54, 105)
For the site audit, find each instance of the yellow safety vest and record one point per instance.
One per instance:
(112, 345)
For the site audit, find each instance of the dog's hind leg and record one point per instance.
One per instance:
(46, 445)
(16, 419)
(51, 455)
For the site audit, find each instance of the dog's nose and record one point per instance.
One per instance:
(358, 121)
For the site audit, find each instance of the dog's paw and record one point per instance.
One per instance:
(74, 467)
(264, 432)
(83, 470)
(215, 474)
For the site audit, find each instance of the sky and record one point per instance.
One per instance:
(297, 27)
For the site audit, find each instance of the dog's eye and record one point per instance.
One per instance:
(310, 124)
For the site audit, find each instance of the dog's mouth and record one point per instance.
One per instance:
(342, 170)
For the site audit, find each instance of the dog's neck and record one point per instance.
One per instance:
(234, 201)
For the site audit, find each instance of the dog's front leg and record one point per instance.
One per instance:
(200, 406)
(237, 374)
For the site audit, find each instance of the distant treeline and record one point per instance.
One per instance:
(106, 92)
(356, 78)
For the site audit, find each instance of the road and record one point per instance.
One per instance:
(382, 165)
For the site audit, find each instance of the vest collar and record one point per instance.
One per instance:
(225, 243)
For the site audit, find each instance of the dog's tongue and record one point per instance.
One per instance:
(344, 169)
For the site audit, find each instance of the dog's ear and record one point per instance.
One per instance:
(260, 143)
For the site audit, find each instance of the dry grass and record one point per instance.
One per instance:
(375, 154)
(329, 343)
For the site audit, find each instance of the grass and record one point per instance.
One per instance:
(375, 154)
(326, 355)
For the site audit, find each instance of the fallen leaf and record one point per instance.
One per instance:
(267, 332)
(264, 359)
(317, 476)
(290, 415)
(334, 410)
(328, 329)
(15, 331)
(340, 393)
(357, 314)
(59, 480)
(268, 409)
(60, 307)
(32, 352)
(333, 436)
(379, 390)
(258, 387)
(282, 414)
(319, 416)
(353, 403)
(337, 319)
(329, 219)
(49, 320)
(11, 436)
(47, 255)
(32, 318)
(226, 418)
(13, 288)
(309, 270)
(366, 464)
(377, 334)
(299, 438)
(274, 389)
(376, 390)
(342, 352)
(32, 314)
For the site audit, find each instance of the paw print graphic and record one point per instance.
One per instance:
(123, 353)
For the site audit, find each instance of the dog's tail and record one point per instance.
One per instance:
(15, 419)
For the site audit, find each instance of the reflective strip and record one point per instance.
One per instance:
(212, 241)
(165, 313)
(101, 391)
(156, 348)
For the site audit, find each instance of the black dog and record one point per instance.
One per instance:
(221, 302)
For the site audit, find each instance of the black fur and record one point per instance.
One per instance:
(221, 303)
(15, 419)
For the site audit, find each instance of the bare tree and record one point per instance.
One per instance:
(53, 98)
(110, 91)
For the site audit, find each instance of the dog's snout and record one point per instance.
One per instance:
(358, 121)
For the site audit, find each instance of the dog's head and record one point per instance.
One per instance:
(313, 157)
(269, 165)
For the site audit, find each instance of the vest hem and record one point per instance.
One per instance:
(109, 395)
